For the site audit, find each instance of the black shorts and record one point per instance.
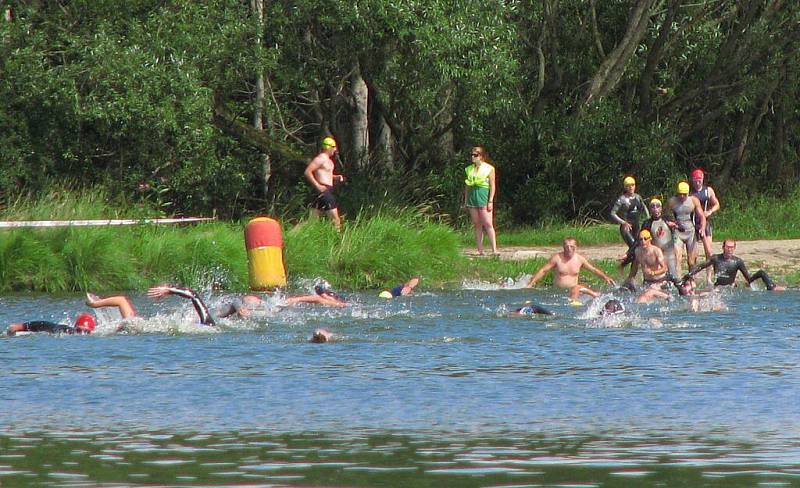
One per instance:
(325, 201)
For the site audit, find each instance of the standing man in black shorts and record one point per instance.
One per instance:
(320, 173)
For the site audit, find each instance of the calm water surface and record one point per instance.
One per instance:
(431, 390)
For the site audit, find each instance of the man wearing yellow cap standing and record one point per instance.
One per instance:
(627, 212)
(687, 210)
(320, 173)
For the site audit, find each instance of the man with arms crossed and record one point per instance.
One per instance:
(320, 174)
(567, 266)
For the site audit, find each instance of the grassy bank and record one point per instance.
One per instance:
(375, 251)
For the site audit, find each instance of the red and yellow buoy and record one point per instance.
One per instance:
(265, 263)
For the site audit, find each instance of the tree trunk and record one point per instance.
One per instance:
(613, 67)
(359, 98)
(653, 58)
(258, 112)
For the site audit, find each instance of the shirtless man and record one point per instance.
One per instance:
(654, 268)
(661, 229)
(567, 265)
(727, 266)
(687, 210)
(320, 174)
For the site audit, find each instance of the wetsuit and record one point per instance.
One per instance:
(50, 327)
(684, 216)
(325, 201)
(397, 291)
(631, 208)
(533, 310)
(725, 271)
(199, 306)
(704, 197)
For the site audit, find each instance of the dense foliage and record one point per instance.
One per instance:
(160, 101)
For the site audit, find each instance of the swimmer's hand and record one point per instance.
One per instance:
(158, 291)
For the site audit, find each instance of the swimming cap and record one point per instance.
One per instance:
(385, 294)
(85, 321)
(655, 201)
(645, 234)
(328, 142)
(613, 307)
(683, 188)
(697, 174)
(628, 181)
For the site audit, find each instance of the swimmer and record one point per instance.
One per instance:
(401, 290)
(566, 266)
(323, 295)
(126, 310)
(688, 215)
(709, 204)
(321, 175)
(528, 310)
(727, 266)
(632, 207)
(84, 324)
(321, 335)
(654, 268)
(612, 307)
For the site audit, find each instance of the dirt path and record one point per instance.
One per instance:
(781, 256)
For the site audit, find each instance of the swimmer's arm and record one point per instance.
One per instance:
(740, 266)
(646, 210)
(701, 216)
(597, 271)
(614, 212)
(714, 201)
(697, 268)
(633, 271)
(542, 271)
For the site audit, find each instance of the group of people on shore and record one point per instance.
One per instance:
(655, 247)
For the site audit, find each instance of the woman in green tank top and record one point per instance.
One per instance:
(479, 197)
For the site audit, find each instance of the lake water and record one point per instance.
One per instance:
(436, 389)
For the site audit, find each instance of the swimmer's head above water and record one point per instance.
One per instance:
(613, 307)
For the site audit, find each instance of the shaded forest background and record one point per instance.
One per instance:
(215, 106)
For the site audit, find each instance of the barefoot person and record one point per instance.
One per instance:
(481, 186)
(566, 266)
(320, 173)
(709, 203)
(727, 266)
(687, 210)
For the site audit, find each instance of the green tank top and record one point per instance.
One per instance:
(478, 177)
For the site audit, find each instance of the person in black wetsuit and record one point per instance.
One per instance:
(726, 266)
(627, 212)
(84, 324)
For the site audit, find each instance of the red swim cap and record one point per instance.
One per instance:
(697, 174)
(86, 322)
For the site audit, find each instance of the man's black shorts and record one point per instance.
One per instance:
(325, 201)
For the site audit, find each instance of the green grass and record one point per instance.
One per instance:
(379, 248)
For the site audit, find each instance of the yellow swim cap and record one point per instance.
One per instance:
(328, 142)
(645, 234)
(655, 201)
(628, 181)
(385, 294)
(683, 188)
